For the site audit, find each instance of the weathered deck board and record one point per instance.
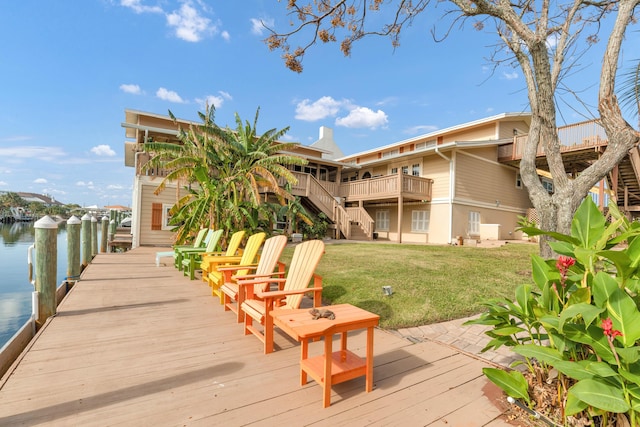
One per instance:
(136, 344)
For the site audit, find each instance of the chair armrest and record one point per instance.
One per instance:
(237, 267)
(188, 250)
(219, 253)
(220, 259)
(260, 279)
(264, 277)
(227, 270)
(280, 294)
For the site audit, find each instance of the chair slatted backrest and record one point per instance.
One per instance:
(201, 236)
(234, 243)
(251, 251)
(271, 252)
(306, 257)
(213, 241)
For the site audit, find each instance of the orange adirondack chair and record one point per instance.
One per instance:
(234, 294)
(305, 259)
(210, 259)
(215, 278)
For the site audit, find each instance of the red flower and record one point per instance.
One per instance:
(607, 329)
(564, 263)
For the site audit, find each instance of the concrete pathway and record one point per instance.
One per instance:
(467, 339)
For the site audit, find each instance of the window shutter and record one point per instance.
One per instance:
(156, 216)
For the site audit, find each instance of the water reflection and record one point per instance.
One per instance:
(17, 232)
(15, 289)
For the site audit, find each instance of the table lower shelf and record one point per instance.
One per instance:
(345, 365)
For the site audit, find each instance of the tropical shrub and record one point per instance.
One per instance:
(578, 325)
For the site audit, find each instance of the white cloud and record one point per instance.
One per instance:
(17, 138)
(40, 181)
(133, 89)
(103, 150)
(214, 100)
(169, 95)
(41, 153)
(3, 184)
(420, 129)
(510, 76)
(89, 184)
(363, 117)
(137, 7)
(114, 187)
(53, 191)
(357, 116)
(258, 25)
(189, 24)
(318, 110)
(225, 35)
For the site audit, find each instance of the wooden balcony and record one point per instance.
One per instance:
(142, 159)
(387, 187)
(581, 143)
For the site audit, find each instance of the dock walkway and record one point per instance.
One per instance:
(140, 345)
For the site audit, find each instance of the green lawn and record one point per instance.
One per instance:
(430, 283)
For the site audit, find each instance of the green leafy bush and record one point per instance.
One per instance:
(579, 322)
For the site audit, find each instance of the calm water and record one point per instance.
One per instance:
(15, 289)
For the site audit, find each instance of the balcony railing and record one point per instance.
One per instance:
(575, 137)
(388, 186)
(142, 159)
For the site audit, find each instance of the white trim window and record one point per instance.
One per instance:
(420, 221)
(166, 217)
(474, 223)
(415, 169)
(382, 220)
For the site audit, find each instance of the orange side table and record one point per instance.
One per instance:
(331, 367)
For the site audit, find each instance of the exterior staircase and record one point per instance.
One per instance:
(625, 182)
(357, 232)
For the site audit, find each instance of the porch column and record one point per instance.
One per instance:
(601, 195)
(400, 201)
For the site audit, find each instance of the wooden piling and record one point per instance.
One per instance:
(46, 245)
(86, 240)
(104, 234)
(73, 249)
(94, 236)
(112, 233)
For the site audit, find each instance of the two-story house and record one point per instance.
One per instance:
(452, 184)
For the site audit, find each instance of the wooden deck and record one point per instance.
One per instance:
(135, 344)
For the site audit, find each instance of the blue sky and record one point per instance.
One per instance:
(70, 69)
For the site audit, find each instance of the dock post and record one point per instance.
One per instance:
(112, 232)
(86, 240)
(46, 236)
(104, 234)
(73, 249)
(94, 236)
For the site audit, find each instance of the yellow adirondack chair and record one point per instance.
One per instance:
(234, 294)
(200, 241)
(305, 259)
(209, 259)
(216, 278)
(191, 258)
